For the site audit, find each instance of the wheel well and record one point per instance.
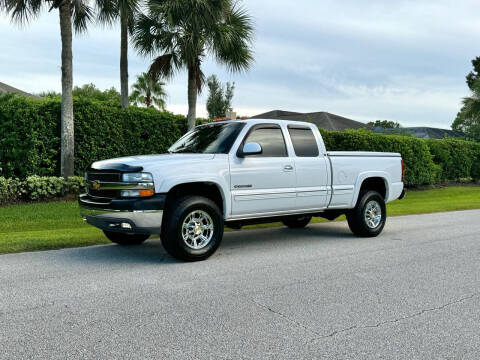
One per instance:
(205, 189)
(374, 183)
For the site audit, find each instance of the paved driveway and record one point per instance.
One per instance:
(413, 292)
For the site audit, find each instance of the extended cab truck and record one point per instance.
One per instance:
(234, 173)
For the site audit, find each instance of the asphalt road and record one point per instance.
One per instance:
(411, 293)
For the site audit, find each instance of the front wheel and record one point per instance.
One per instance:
(367, 219)
(193, 229)
(125, 239)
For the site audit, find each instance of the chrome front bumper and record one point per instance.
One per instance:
(109, 217)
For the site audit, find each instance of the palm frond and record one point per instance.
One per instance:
(199, 77)
(163, 66)
(22, 11)
(82, 14)
(231, 40)
(107, 11)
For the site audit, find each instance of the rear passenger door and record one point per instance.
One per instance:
(311, 169)
(263, 183)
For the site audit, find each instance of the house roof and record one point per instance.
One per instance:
(4, 88)
(321, 119)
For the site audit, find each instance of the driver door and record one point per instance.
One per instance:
(263, 183)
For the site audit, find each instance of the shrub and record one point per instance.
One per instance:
(420, 168)
(38, 188)
(30, 133)
(10, 190)
(458, 159)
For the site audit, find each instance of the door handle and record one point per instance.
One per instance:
(288, 168)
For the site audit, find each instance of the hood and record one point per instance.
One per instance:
(144, 162)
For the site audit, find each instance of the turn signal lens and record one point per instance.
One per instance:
(146, 192)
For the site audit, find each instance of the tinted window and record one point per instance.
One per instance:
(304, 142)
(270, 139)
(208, 139)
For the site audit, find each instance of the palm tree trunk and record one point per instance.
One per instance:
(67, 129)
(148, 99)
(124, 60)
(192, 98)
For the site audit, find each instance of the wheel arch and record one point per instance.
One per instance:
(208, 189)
(377, 181)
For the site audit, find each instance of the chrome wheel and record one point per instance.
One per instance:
(373, 214)
(197, 229)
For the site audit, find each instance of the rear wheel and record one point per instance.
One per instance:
(193, 229)
(125, 239)
(368, 218)
(296, 222)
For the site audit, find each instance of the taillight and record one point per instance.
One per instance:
(403, 171)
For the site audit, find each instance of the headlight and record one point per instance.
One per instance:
(137, 177)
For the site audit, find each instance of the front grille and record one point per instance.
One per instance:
(106, 177)
(103, 177)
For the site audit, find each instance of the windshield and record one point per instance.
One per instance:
(215, 138)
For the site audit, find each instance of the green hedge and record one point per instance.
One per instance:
(38, 188)
(30, 143)
(457, 159)
(30, 134)
(426, 161)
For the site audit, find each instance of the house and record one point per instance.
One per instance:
(423, 132)
(322, 119)
(4, 89)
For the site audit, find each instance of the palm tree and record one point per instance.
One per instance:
(80, 13)
(184, 31)
(148, 91)
(468, 119)
(125, 11)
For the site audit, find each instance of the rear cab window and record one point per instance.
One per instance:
(303, 140)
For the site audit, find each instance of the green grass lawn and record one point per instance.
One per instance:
(55, 225)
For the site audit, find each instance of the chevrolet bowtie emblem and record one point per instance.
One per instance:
(96, 185)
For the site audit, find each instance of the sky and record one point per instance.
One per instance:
(401, 60)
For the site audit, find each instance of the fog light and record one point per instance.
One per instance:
(137, 193)
(126, 226)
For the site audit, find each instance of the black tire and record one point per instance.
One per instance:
(173, 230)
(356, 217)
(296, 222)
(125, 239)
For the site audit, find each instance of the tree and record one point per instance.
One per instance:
(124, 10)
(148, 91)
(474, 75)
(468, 119)
(385, 124)
(90, 91)
(183, 32)
(78, 13)
(219, 99)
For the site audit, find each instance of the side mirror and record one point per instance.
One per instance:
(252, 148)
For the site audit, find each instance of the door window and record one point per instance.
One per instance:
(270, 139)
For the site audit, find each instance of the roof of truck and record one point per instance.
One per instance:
(265, 121)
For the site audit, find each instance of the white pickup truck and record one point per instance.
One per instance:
(234, 173)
